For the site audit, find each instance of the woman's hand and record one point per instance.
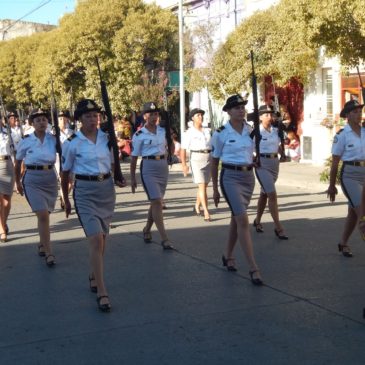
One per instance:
(362, 227)
(216, 197)
(331, 193)
(185, 170)
(67, 204)
(133, 184)
(122, 183)
(19, 188)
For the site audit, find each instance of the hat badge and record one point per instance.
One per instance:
(153, 106)
(89, 105)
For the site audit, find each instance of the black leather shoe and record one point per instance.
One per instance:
(166, 245)
(103, 307)
(50, 260)
(345, 249)
(93, 288)
(198, 214)
(258, 227)
(255, 281)
(225, 263)
(280, 236)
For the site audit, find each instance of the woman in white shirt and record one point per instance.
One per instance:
(196, 140)
(349, 147)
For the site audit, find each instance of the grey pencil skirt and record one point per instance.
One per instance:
(6, 177)
(200, 164)
(94, 205)
(40, 189)
(352, 181)
(267, 174)
(237, 188)
(154, 176)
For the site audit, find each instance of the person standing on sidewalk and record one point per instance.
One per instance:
(150, 143)
(39, 183)
(6, 182)
(197, 140)
(234, 146)
(349, 147)
(88, 156)
(268, 171)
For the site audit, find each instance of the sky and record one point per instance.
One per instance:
(47, 14)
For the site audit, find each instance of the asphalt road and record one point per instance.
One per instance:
(183, 307)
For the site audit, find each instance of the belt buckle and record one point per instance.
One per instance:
(100, 177)
(362, 163)
(44, 167)
(157, 158)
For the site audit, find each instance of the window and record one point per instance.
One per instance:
(328, 91)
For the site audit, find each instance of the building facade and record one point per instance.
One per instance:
(10, 29)
(323, 97)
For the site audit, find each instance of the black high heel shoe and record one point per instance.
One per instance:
(198, 214)
(93, 288)
(345, 249)
(103, 307)
(255, 281)
(258, 227)
(225, 263)
(279, 235)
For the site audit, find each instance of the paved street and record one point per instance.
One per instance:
(182, 307)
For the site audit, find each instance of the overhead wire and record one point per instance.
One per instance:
(42, 3)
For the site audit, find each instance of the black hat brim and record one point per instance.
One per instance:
(232, 105)
(151, 111)
(196, 111)
(345, 111)
(80, 112)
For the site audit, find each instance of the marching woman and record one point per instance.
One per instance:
(349, 146)
(197, 140)
(6, 183)
(66, 132)
(39, 183)
(268, 171)
(150, 143)
(233, 145)
(88, 156)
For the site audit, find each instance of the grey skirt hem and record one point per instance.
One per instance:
(94, 205)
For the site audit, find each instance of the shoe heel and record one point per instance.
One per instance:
(224, 261)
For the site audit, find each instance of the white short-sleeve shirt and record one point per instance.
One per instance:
(348, 145)
(270, 140)
(4, 143)
(34, 152)
(83, 157)
(194, 139)
(145, 143)
(232, 147)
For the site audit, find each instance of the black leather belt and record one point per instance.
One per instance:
(153, 157)
(237, 167)
(100, 177)
(355, 163)
(3, 158)
(39, 167)
(201, 151)
(269, 155)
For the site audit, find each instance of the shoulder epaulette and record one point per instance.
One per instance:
(220, 129)
(341, 130)
(139, 132)
(71, 137)
(26, 136)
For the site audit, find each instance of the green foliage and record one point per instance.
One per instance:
(128, 37)
(324, 176)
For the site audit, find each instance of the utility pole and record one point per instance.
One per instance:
(181, 73)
